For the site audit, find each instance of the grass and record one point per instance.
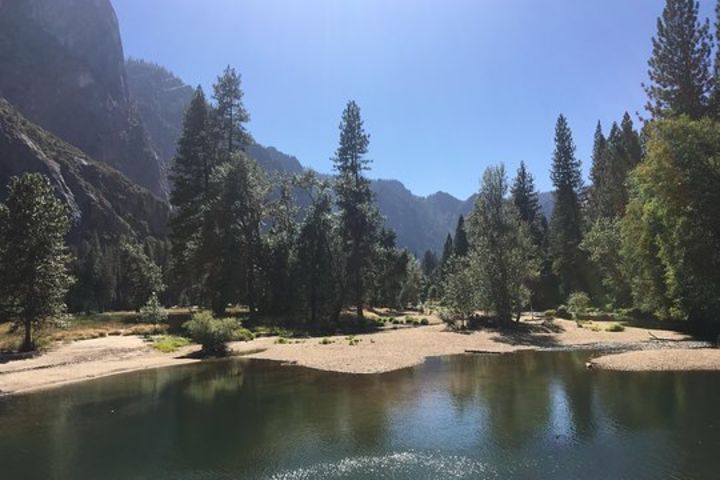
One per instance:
(169, 343)
(616, 327)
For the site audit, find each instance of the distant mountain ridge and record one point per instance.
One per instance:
(421, 223)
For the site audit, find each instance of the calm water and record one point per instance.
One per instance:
(529, 415)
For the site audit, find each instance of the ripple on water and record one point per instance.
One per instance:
(410, 464)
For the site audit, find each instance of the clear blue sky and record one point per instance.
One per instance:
(446, 87)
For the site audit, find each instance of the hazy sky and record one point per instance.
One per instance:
(446, 87)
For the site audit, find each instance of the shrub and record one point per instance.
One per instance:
(241, 334)
(424, 322)
(153, 312)
(551, 313)
(169, 343)
(213, 334)
(326, 341)
(562, 312)
(616, 327)
(282, 341)
(579, 302)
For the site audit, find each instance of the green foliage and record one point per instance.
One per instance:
(578, 302)
(326, 341)
(550, 313)
(503, 258)
(680, 77)
(424, 322)
(230, 116)
(211, 333)
(563, 312)
(138, 276)
(153, 311)
(616, 327)
(33, 256)
(359, 217)
(671, 232)
(169, 343)
(461, 246)
(565, 225)
(603, 244)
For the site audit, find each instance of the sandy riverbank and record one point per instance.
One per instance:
(704, 359)
(372, 353)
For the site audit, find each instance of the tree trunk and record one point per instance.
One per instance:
(28, 343)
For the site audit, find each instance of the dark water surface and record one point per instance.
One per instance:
(526, 415)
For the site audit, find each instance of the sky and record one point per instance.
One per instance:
(446, 88)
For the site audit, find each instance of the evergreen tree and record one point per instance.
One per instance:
(358, 215)
(598, 173)
(429, 263)
(680, 64)
(460, 242)
(231, 233)
(190, 177)
(138, 276)
(566, 222)
(319, 254)
(33, 255)
(230, 113)
(526, 201)
(278, 253)
(448, 251)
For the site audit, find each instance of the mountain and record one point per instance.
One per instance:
(63, 68)
(100, 199)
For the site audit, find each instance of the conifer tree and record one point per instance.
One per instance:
(526, 201)
(318, 255)
(460, 242)
(448, 251)
(679, 69)
(33, 255)
(566, 222)
(190, 177)
(358, 215)
(598, 172)
(230, 114)
(429, 263)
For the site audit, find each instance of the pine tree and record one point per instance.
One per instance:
(680, 64)
(448, 251)
(598, 172)
(460, 242)
(358, 215)
(33, 255)
(429, 263)
(566, 222)
(230, 113)
(138, 276)
(231, 233)
(526, 201)
(319, 279)
(190, 177)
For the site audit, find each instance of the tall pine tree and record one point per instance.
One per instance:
(230, 113)
(680, 77)
(460, 243)
(566, 222)
(190, 178)
(358, 214)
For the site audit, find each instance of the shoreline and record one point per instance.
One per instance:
(633, 349)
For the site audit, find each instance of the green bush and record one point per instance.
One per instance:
(616, 327)
(169, 343)
(424, 322)
(579, 302)
(212, 333)
(562, 312)
(241, 334)
(551, 313)
(153, 312)
(326, 341)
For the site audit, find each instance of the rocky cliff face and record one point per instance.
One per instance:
(63, 68)
(100, 199)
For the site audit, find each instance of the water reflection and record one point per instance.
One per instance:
(520, 416)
